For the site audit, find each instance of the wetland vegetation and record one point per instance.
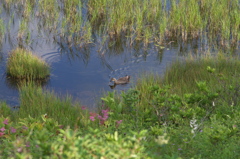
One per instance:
(79, 23)
(22, 64)
(191, 111)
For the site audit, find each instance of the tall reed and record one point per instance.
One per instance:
(185, 19)
(144, 21)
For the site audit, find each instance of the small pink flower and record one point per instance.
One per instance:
(2, 129)
(5, 122)
(105, 114)
(13, 130)
(61, 126)
(105, 111)
(92, 116)
(83, 107)
(1, 134)
(104, 117)
(100, 117)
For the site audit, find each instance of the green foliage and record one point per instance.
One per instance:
(5, 110)
(110, 101)
(22, 64)
(152, 120)
(43, 138)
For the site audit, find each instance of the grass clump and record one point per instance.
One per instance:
(22, 64)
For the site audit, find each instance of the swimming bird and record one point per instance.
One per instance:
(122, 80)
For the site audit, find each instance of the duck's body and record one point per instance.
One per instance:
(122, 80)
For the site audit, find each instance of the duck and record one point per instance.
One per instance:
(122, 80)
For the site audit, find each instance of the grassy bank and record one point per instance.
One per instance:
(193, 111)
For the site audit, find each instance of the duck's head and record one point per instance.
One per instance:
(113, 79)
(128, 77)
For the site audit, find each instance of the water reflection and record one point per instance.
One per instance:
(14, 83)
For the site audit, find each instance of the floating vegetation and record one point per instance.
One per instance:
(22, 64)
(145, 21)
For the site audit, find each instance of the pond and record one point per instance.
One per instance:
(86, 78)
(83, 71)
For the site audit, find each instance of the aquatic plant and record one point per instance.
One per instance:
(180, 19)
(23, 64)
(77, 22)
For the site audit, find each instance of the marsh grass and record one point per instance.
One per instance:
(180, 19)
(35, 101)
(142, 21)
(182, 75)
(22, 64)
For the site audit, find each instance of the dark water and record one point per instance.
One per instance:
(84, 73)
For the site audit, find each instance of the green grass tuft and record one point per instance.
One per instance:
(22, 64)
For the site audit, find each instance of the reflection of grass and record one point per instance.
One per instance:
(23, 64)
